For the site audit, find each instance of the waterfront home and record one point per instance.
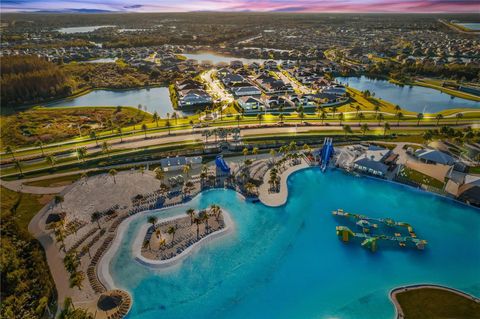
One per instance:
(430, 156)
(195, 97)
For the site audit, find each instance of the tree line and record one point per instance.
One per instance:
(30, 79)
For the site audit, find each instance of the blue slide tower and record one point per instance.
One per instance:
(220, 162)
(326, 153)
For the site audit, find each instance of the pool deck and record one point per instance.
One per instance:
(398, 309)
(278, 199)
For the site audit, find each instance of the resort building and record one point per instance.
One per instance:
(177, 163)
(373, 161)
(434, 157)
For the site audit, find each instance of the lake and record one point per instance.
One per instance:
(83, 29)
(217, 58)
(475, 26)
(415, 98)
(101, 60)
(155, 99)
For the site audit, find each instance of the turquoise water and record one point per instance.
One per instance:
(287, 262)
(415, 98)
(156, 99)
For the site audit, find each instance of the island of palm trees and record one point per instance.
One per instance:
(167, 239)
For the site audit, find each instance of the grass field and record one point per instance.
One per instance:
(420, 178)
(430, 303)
(23, 206)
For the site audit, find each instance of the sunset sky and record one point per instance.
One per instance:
(247, 5)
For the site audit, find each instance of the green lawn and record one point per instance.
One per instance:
(420, 178)
(431, 303)
(22, 206)
(56, 181)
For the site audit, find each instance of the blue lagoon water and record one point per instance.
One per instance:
(415, 98)
(472, 26)
(287, 262)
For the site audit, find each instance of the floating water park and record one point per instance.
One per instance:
(377, 231)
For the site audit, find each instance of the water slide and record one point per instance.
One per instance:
(220, 162)
(326, 153)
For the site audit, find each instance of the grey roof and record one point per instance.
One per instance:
(376, 166)
(435, 156)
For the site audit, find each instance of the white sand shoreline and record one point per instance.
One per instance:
(137, 244)
(103, 268)
(280, 198)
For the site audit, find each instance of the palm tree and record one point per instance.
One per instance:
(334, 110)
(347, 129)
(51, 160)
(386, 127)
(205, 217)
(357, 108)
(96, 218)
(112, 173)
(215, 210)
(58, 199)
(301, 116)
(255, 151)
(438, 118)
(197, 221)
(419, 118)
(186, 169)
(245, 153)
(168, 125)
(159, 174)
(361, 117)
(81, 153)
(323, 116)
(133, 122)
(175, 117)
(380, 118)
(39, 144)
(272, 154)
(60, 235)
(93, 135)
(119, 131)
(458, 116)
(399, 116)
(281, 117)
(191, 212)
(156, 117)
(238, 117)
(9, 150)
(76, 280)
(172, 230)
(71, 262)
(376, 109)
(341, 117)
(106, 148)
(260, 118)
(364, 128)
(144, 129)
(152, 220)
(18, 166)
(397, 108)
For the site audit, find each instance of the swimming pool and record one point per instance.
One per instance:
(287, 262)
